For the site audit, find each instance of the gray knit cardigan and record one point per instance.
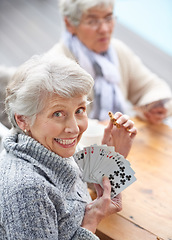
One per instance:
(42, 195)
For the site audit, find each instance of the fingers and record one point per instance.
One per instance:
(99, 190)
(156, 115)
(129, 125)
(155, 118)
(133, 132)
(113, 119)
(118, 198)
(158, 110)
(123, 120)
(106, 187)
(117, 201)
(119, 119)
(107, 133)
(106, 190)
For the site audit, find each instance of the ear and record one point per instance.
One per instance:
(71, 28)
(21, 122)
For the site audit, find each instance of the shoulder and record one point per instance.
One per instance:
(121, 48)
(117, 43)
(60, 48)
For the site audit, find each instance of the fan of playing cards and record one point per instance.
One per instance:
(98, 161)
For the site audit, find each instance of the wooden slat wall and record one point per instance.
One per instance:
(27, 27)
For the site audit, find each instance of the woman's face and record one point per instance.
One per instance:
(95, 28)
(60, 125)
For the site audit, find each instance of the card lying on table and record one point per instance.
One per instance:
(98, 161)
(155, 104)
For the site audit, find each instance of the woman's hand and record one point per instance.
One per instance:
(120, 137)
(102, 206)
(156, 115)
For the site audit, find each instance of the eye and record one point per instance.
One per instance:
(80, 110)
(57, 114)
(92, 21)
(109, 18)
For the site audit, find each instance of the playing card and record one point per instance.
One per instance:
(104, 164)
(102, 150)
(98, 161)
(120, 174)
(125, 178)
(155, 104)
(79, 158)
(86, 171)
(94, 155)
(118, 185)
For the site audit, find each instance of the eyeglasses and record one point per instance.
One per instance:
(96, 22)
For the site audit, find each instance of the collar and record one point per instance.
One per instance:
(57, 169)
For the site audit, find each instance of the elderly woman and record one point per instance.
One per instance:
(42, 194)
(119, 75)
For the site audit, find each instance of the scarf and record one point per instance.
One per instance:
(104, 70)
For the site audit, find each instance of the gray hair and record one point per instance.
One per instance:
(40, 77)
(74, 9)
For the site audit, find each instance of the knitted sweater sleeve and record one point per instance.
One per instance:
(30, 214)
(27, 214)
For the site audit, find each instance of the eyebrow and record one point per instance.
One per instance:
(83, 102)
(95, 16)
(63, 106)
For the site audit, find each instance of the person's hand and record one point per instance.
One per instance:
(102, 206)
(120, 137)
(156, 115)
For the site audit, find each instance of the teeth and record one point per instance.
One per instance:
(65, 142)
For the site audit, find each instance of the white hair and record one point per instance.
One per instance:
(40, 77)
(74, 9)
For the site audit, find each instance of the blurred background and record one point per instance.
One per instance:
(29, 27)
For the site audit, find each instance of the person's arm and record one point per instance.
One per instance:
(121, 137)
(29, 213)
(139, 84)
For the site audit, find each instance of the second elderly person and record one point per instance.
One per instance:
(119, 74)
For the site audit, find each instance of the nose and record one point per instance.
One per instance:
(72, 125)
(103, 26)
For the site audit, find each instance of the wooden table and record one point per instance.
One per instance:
(147, 203)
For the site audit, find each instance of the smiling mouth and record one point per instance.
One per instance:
(65, 141)
(104, 39)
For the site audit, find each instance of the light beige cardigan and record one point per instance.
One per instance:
(138, 84)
